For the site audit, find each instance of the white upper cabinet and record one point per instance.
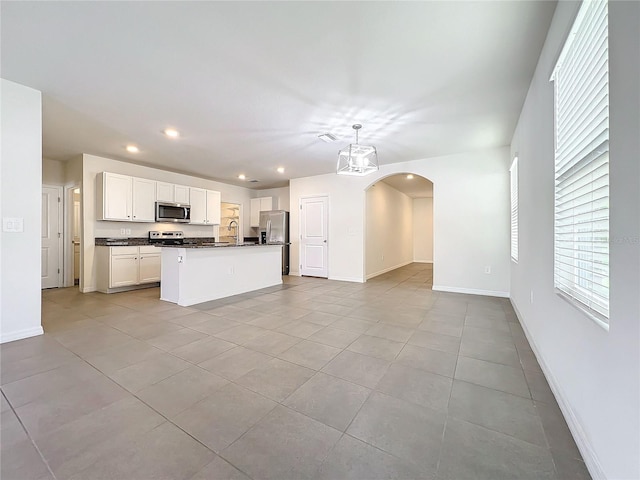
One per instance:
(198, 199)
(205, 206)
(181, 194)
(255, 212)
(213, 207)
(169, 192)
(114, 197)
(124, 198)
(261, 204)
(165, 192)
(144, 197)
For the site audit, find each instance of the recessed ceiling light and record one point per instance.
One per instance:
(132, 149)
(409, 177)
(280, 169)
(327, 137)
(242, 176)
(171, 132)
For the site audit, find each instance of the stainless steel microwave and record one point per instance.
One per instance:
(173, 212)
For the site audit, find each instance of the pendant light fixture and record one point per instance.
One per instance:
(357, 159)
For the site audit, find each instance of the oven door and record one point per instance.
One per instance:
(173, 212)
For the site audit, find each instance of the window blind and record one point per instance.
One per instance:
(514, 209)
(581, 223)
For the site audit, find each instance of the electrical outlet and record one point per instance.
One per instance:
(531, 297)
(231, 270)
(128, 231)
(487, 270)
(123, 231)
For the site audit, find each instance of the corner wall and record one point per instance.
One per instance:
(21, 197)
(388, 229)
(470, 212)
(423, 230)
(53, 172)
(594, 373)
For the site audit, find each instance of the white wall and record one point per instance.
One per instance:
(21, 196)
(53, 172)
(423, 230)
(388, 229)
(470, 215)
(92, 165)
(595, 374)
(73, 177)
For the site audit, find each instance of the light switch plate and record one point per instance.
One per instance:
(12, 224)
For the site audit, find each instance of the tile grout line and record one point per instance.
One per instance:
(31, 439)
(316, 371)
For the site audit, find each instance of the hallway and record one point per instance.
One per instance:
(312, 379)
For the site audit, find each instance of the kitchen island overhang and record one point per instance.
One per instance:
(193, 274)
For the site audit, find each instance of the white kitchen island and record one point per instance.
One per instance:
(193, 274)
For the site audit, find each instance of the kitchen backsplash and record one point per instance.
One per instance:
(131, 229)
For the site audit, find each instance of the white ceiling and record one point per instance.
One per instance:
(416, 187)
(251, 85)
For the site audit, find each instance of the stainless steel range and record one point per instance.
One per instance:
(166, 238)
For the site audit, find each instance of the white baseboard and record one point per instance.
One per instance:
(423, 261)
(347, 279)
(20, 334)
(380, 272)
(471, 291)
(582, 442)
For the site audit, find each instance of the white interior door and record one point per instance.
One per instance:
(313, 236)
(51, 237)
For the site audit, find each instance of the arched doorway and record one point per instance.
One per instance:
(398, 234)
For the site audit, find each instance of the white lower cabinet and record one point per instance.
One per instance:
(149, 266)
(123, 271)
(120, 267)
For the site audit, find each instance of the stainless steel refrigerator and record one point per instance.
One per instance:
(274, 230)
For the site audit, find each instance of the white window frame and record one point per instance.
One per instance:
(513, 175)
(581, 190)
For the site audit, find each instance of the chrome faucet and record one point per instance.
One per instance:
(236, 236)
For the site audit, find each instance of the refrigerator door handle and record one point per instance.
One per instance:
(268, 230)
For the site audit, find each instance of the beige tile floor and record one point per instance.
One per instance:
(313, 379)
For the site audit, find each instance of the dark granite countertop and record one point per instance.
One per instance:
(218, 245)
(136, 241)
(190, 242)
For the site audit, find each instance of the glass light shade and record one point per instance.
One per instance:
(357, 160)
